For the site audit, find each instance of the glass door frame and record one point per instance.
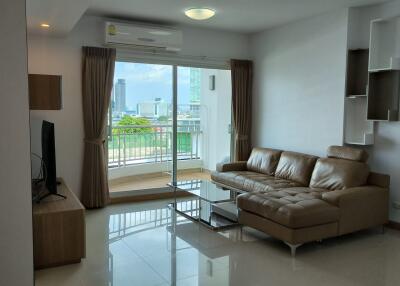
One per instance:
(174, 66)
(174, 124)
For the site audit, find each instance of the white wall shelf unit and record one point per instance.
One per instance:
(384, 70)
(358, 130)
(383, 96)
(385, 45)
(351, 96)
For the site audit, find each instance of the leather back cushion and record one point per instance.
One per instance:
(296, 167)
(336, 174)
(263, 160)
(349, 153)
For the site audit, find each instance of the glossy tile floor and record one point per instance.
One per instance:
(138, 244)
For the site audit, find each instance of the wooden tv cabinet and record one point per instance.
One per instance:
(58, 229)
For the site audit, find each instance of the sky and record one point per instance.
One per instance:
(145, 82)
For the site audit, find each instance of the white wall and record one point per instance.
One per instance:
(299, 88)
(63, 56)
(214, 43)
(299, 84)
(215, 117)
(385, 153)
(16, 258)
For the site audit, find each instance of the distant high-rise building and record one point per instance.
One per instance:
(195, 84)
(120, 95)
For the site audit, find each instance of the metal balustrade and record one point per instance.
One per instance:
(136, 144)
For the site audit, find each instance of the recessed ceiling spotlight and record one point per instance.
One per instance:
(200, 13)
(45, 25)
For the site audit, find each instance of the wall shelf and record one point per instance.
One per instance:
(394, 64)
(358, 131)
(45, 92)
(357, 72)
(383, 96)
(384, 45)
(356, 96)
(367, 139)
(372, 80)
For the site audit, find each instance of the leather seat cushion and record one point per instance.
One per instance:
(296, 167)
(337, 174)
(263, 160)
(294, 208)
(252, 181)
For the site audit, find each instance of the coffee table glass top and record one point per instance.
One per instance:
(206, 190)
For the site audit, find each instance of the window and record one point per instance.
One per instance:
(140, 131)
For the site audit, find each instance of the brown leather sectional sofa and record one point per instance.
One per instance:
(300, 198)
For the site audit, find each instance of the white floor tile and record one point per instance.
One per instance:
(128, 245)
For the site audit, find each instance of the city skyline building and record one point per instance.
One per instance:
(194, 84)
(120, 95)
(154, 109)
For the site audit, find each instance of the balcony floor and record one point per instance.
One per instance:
(155, 180)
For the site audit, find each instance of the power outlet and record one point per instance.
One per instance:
(396, 205)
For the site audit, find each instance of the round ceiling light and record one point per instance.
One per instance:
(200, 13)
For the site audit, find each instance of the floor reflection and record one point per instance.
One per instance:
(147, 245)
(168, 247)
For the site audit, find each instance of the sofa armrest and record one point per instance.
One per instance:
(379, 180)
(362, 194)
(234, 166)
(360, 207)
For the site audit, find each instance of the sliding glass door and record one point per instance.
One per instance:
(140, 129)
(203, 119)
(141, 121)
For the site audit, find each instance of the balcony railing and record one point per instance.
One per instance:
(137, 144)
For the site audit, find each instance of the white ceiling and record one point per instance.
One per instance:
(235, 15)
(244, 16)
(62, 15)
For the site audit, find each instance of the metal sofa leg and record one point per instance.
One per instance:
(293, 248)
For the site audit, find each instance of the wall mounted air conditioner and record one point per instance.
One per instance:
(141, 36)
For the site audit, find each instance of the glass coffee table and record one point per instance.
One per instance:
(205, 202)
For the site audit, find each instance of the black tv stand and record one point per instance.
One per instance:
(49, 194)
(39, 187)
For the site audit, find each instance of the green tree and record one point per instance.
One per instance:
(128, 120)
(163, 118)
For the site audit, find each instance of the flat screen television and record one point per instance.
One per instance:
(49, 157)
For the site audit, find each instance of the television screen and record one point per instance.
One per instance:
(49, 156)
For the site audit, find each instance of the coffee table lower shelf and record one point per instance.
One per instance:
(216, 220)
(208, 204)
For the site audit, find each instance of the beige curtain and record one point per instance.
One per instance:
(97, 82)
(242, 84)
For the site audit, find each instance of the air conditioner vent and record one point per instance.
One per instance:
(146, 40)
